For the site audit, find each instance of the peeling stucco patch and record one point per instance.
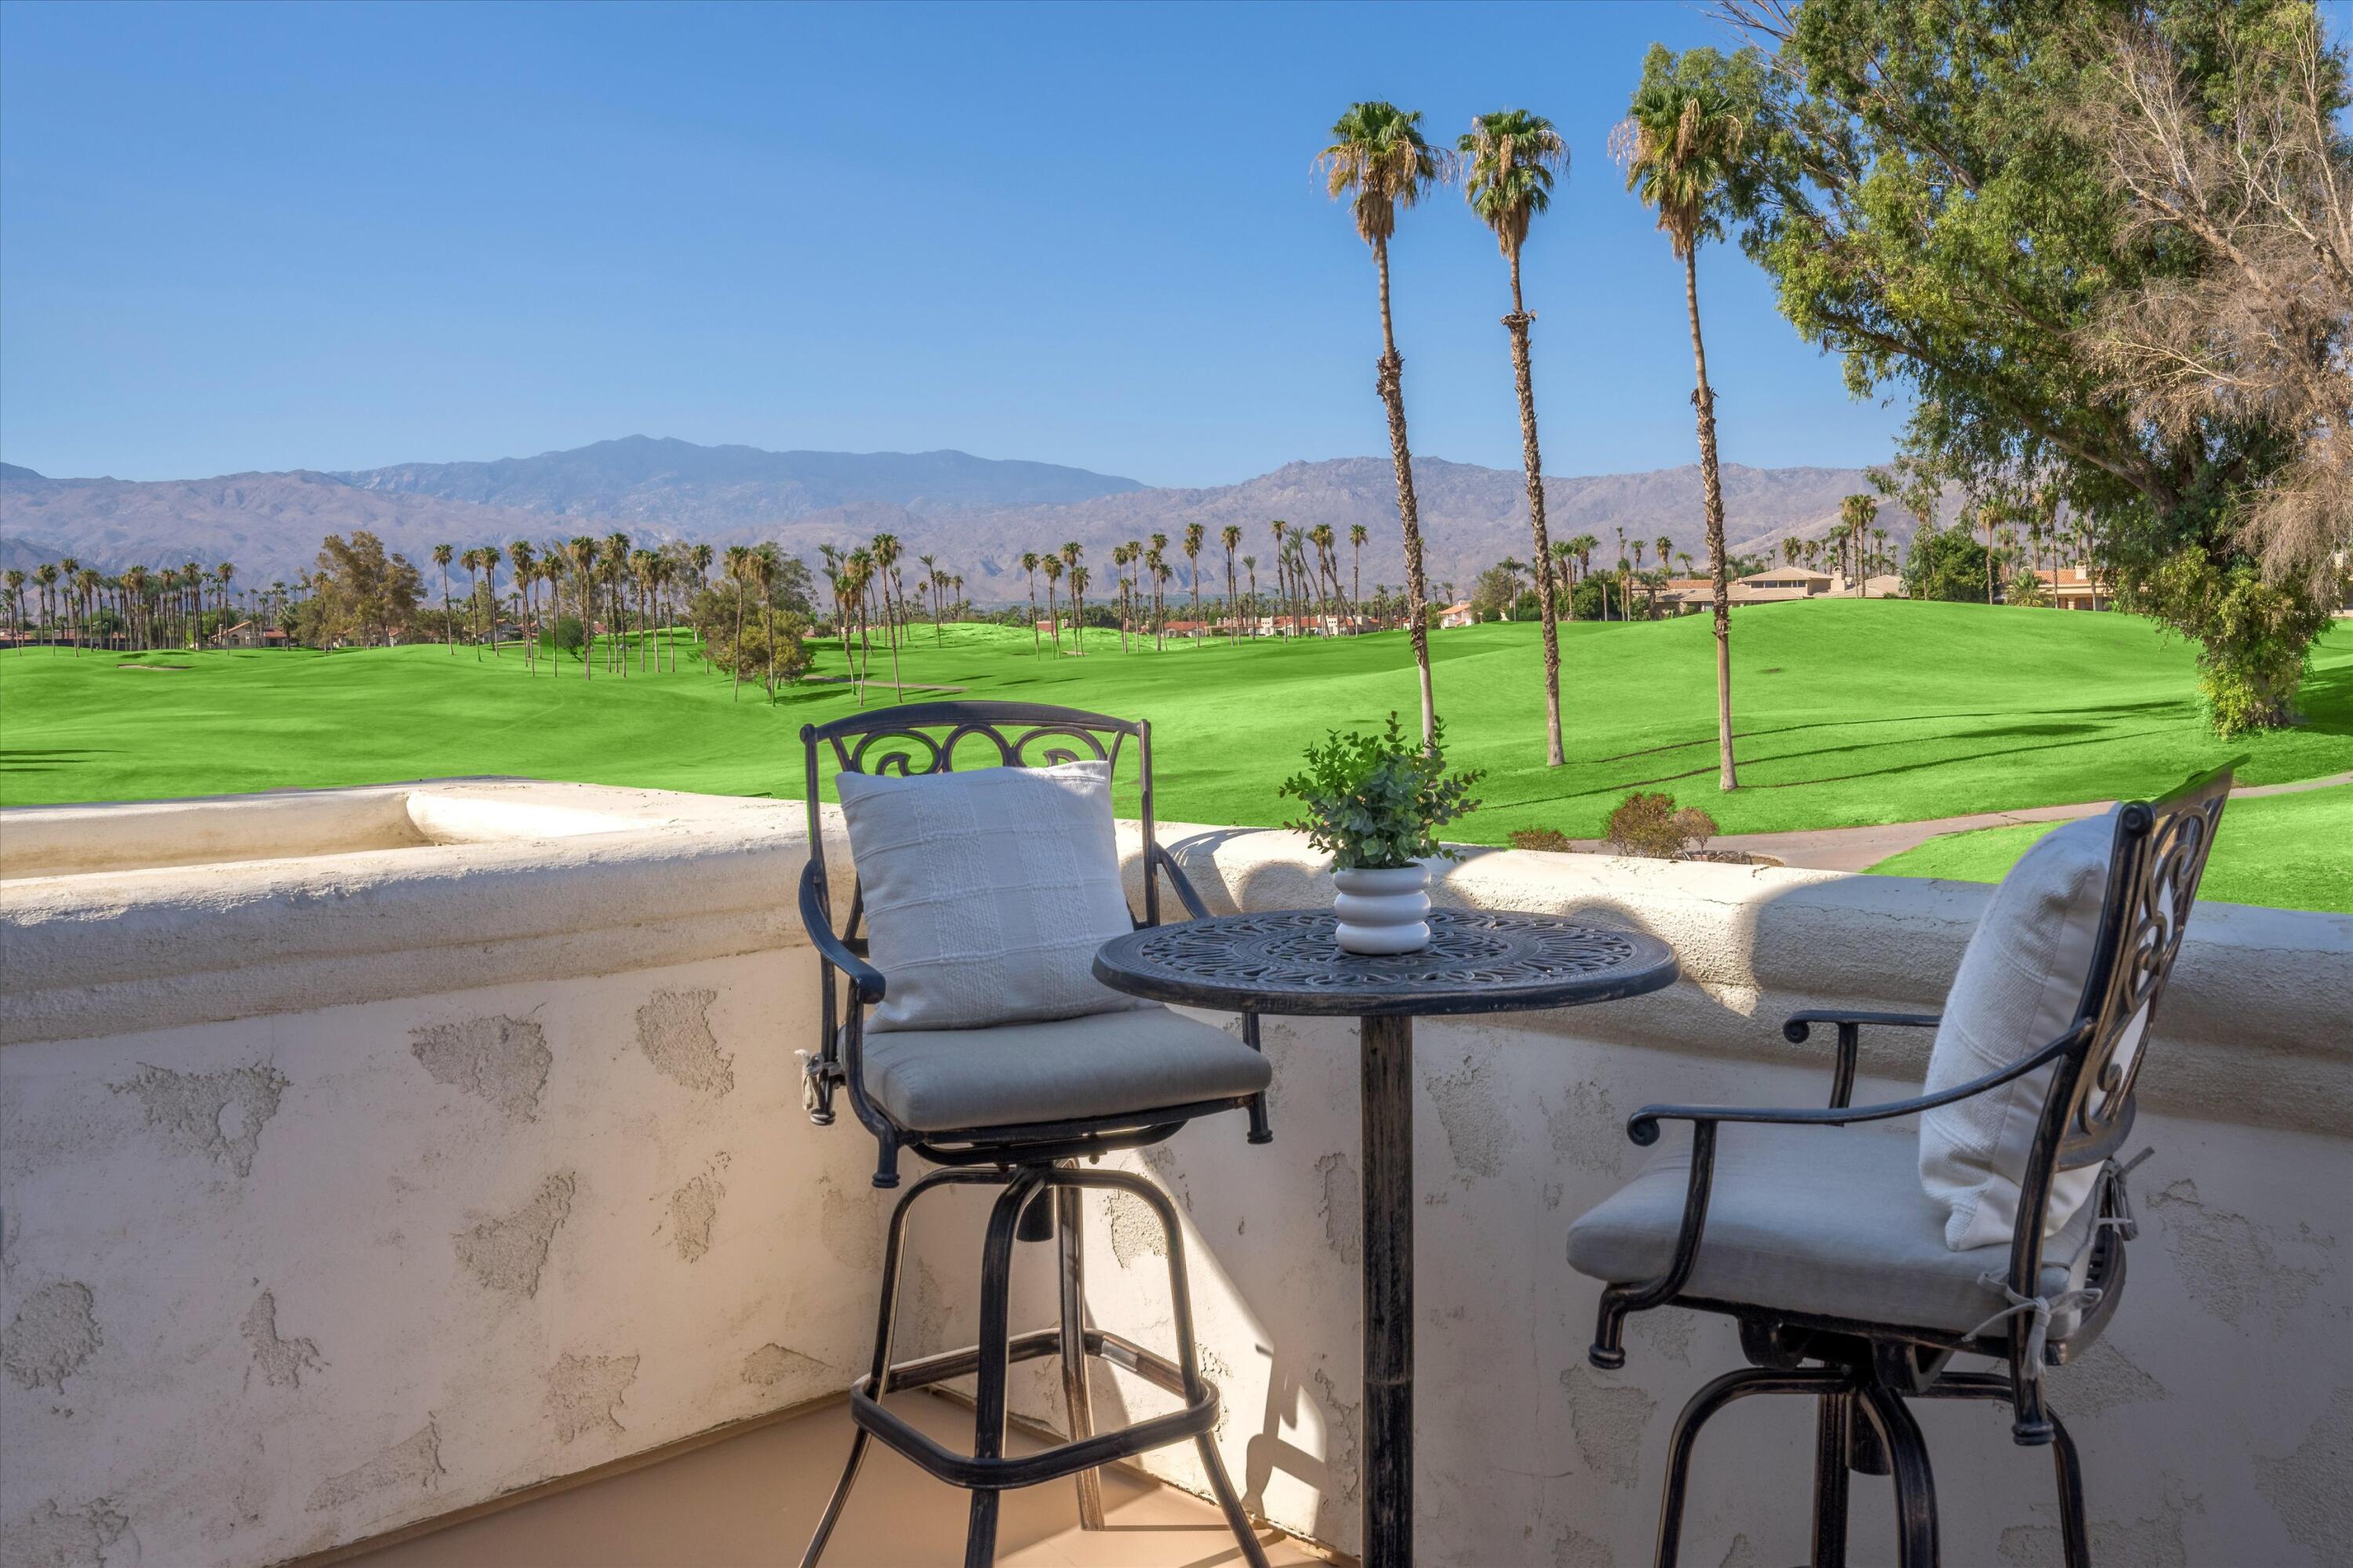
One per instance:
(1344, 1436)
(1478, 1133)
(1586, 1131)
(1135, 1228)
(52, 1537)
(2102, 1380)
(2147, 1543)
(1742, 1555)
(507, 1252)
(675, 1031)
(414, 1464)
(1576, 1549)
(502, 1060)
(2306, 1488)
(1667, 1330)
(281, 1362)
(2234, 1266)
(1342, 1206)
(583, 1393)
(772, 1364)
(217, 1115)
(1609, 1422)
(693, 1209)
(849, 1226)
(53, 1334)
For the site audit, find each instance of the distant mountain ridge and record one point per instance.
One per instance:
(679, 485)
(976, 516)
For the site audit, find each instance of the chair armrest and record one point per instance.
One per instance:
(865, 981)
(1642, 1127)
(1195, 909)
(1797, 1026)
(1793, 1028)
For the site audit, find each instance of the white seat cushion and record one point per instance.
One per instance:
(987, 892)
(2020, 987)
(1827, 1221)
(1072, 1069)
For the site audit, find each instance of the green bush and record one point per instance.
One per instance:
(1375, 801)
(1647, 823)
(565, 634)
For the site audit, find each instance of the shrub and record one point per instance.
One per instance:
(565, 634)
(1647, 823)
(1541, 838)
(1375, 801)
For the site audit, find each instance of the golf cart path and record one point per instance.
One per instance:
(1859, 849)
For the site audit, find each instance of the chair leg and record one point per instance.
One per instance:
(1076, 1398)
(879, 1373)
(1188, 1358)
(2075, 1541)
(1703, 1404)
(1833, 1451)
(989, 1403)
(1915, 1485)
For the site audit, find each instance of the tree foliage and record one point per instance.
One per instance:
(1939, 189)
(359, 591)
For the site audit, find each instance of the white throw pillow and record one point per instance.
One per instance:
(2018, 988)
(987, 892)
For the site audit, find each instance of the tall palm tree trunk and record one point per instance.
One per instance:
(1712, 494)
(1522, 374)
(1390, 383)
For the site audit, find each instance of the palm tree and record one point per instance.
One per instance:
(1855, 515)
(1510, 160)
(441, 557)
(580, 554)
(1230, 536)
(1378, 160)
(45, 578)
(525, 563)
(761, 567)
(1249, 564)
(1053, 564)
(1071, 553)
(1679, 143)
(16, 580)
(1357, 536)
(738, 572)
(1279, 528)
(1193, 540)
(1030, 565)
(1154, 561)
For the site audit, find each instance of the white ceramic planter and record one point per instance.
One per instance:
(1382, 911)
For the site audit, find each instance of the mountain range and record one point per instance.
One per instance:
(975, 516)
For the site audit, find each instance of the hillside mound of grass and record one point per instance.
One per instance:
(1849, 712)
(2289, 852)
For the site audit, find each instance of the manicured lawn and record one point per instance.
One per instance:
(1848, 713)
(2290, 852)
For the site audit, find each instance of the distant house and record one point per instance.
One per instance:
(1457, 614)
(1775, 584)
(2072, 588)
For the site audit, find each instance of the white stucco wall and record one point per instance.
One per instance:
(350, 1189)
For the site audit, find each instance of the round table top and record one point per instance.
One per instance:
(1478, 961)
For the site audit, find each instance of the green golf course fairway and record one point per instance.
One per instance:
(1848, 712)
(2291, 852)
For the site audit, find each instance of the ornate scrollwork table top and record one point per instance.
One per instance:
(1478, 961)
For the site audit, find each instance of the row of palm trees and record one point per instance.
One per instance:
(1678, 145)
(65, 603)
(605, 580)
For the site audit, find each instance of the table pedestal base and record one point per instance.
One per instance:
(1386, 1485)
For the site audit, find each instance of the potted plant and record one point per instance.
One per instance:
(1374, 802)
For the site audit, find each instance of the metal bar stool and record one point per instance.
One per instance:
(981, 1112)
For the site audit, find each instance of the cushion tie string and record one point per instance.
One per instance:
(2042, 1308)
(2116, 1198)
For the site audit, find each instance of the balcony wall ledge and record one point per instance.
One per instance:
(2255, 1021)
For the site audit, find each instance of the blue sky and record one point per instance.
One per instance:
(277, 237)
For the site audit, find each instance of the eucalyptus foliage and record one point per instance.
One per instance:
(1375, 801)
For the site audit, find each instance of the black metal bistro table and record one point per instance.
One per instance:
(1287, 963)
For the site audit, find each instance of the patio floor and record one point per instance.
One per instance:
(753, 1499)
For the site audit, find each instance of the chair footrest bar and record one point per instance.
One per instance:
(1051, 1464)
